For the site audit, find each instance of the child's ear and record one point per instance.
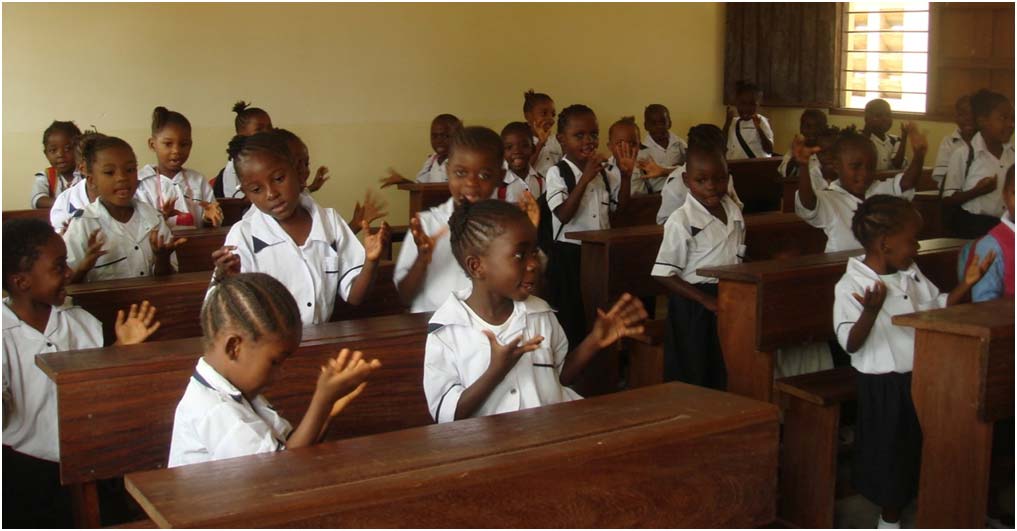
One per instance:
(151, 143)
(21, 281)
(475, 267)
(233, 345)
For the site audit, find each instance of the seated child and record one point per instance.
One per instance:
(434, 170)
(811, 123)
(38, 318)
(833, 208)
(665, 148)
(496, 347)
(749, 136)
(876, 286)
(707, 230)
(623, 165)
(117, 235)
(520, 175)
(539, 112)
(672, 197)
(310, 249)
(889, 147)
(426, 272)
(961, 137)
(75, 198)
(998, 280)
(248, 121)
(251, 324)
(58, 142)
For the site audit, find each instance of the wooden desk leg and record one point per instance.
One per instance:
(956, 444)
(602, 374)
(808, 464)
(749, 371)
(85, 505)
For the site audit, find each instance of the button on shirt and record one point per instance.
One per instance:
(29, 395)
(443, 273)
(68, 203)
(671, 156)
(694, 238)
(947, 146)
(594, 208)
(190, 186)
(984, 164)
(835, 207)
(458, 353)
(214, 421)
(750, 135)
(40, 186)
(549, 155)
(889, 348)
(886, 149)
(433, 171)
(128, 249)
(673, 195)
(315, 272)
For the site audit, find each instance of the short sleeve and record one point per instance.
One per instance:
(423, 176)
(76, 240)
(40, 188)
(351, 255)
(846, 311)
(954, 179)
(785, 164)
(673, 254)
(942, 159)
(765, 128)
(8, 397)
(990, 287)
(226, 435)
(58, 213)
(407, 256)
(442, 385)
(672, 196)
(557, 193)
(817, 217)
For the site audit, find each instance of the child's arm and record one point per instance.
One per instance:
(568, 209)
(764, 139)
(985, 185)
(374, 244)
(503, 358)
(871, 303)
(393, 178)
(340, 377)
(626, 165)
(972, 274)
(621, 321)
(919, 147)
(372, 210)
(93, 250)
(410, 285)
(898, 158)
(163, 250)
(137, 325)
(679, 286)
(802, 154)
(320, 177)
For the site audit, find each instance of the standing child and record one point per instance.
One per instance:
(581, 196)
(998, 280)
(135, 240)
(289, 236)
(966, 130)
(882, 283)
(974, 179)
(672, 197)
(495, 347)
(889, 148)
(708, 230)
(811, 123)
(521, 176)
(58, 142)
(250, 325)
(434, 170)
(539, 112)
(39, 318)
(750, 135)
(426, 272)
(623, 141)
(248, 121)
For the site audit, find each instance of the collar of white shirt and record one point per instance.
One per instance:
(859, 271)
(649, 142)
(11, 319)
(978, 144)
(150, 217)
(700, 217)
(266, 229)
(206, 375)
(454, 312)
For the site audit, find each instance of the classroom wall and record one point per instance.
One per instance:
(359, 82)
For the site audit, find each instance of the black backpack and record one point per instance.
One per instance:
(545, 232)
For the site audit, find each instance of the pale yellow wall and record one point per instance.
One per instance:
(359, 82)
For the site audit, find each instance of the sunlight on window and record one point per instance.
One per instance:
(886, 54)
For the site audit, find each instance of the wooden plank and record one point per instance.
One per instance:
(683, 456)
(425, 195)
(31, 213)
(196, 254)
(758, 183)
(638, 210)
(233, 209)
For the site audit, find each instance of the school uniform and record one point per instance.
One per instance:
(215, 421)
(190, 186)
(638, 185)
(694, 238)
(68, 203)
(671, 156)
(316, 272)
(227, 185)
(888, 437)
(549, 155)
(41, 187)
(968, 165)
(156, 189)
(443, 273)
(433, 171)
(458, 353)
(743, 139)
(886, 149)
(947, 146)
(128, 249)
(789, 168)
(514, 186)
(835, 208)
(998, 280)
(673, 195)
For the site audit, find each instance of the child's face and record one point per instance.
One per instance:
(809, 126)
(59, 151)
(998, 125)
(900, 247)
(473, 175)
(878, 117)
(518, 150)
(622, 135)
(303, 157)
(172, 147)
(541, 115)
(256, 123)
(658, 124)
(964, 118)
(441, 133)
(706, 178)
(856, 169)
(46, 281)
(272, 184)
(827, 160)
(747, 104)
(581, 138)
(511, 265)
(114, 174)
(255, 364)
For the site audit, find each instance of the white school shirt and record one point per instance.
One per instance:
(885, 151)
(747, 128)
(231, 181)
(549, 155)
(594, 209)
(516, 184)
(984, 164)
(669, 157)
(40, 186)
(432, 171)
(458, 353)
(638, 185)
(190, 186)
(68, 203)
(154, 189)
(214, 421)
(815, 170)
(29, 394)
(889, 348)
(128, 249)
(673, 195)
(694, 238)
(324, 267)
(947, 146)
(835, 208)
(443, 273)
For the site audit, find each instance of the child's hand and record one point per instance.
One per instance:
(137, 325)
(650, 168)
(504, 357)
(731, 113)
(593, 166)
(160, 247)
(393, 178)
(425, 243)
(168, 208)
(801, 152)
(543, 132)
(986, 185)
(627, 158)
(919, 142)
(977, 268)
(872, 299)
(320, 177)
(621, 321)
(226, 263)
(343, 378)
(529, 205)
(375, 243)
(904, 130)
(212, 213)
(372, 209)
(757, 122)
(93, 250)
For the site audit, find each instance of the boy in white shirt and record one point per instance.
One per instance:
(961, 137)
(520, 175)
(748, 133)
(811, 123)
(673, 196)
(623, 141)
(889, 147)
(666, 148)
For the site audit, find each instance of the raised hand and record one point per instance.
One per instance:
(543, 132)
(529, 205)
(872, 299)
(160, 247)
(593, 166)
(320, 177)
(649, 169)
(374, 244)
(801, 152)
(425, 243)
(731, 113)
(757, 121)
(919, 142)
(393, 179)
(226, 262)
(212, 213)
(627, 154)
(344, 377)
(977, 268)
(372, 209)
(504, 357)
(168, 208)
(136, 326)
(93, 250)
(622, 320)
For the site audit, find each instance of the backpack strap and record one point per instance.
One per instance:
(741, 140)
(51, 176)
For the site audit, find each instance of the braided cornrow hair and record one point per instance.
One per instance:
(68, 128)
(473, 226)
(244, 114)
(271, 143)
(478, 139)
(91, 144)
(531, 99)
(570, 112)
(850, 136)
(255, 303)
(880, 215)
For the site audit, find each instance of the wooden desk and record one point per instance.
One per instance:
(669, 455)
(233, 209)
(115, 405)
(31, 213)
(638, 210)
(766, 305)
(196, 254)
(425, 195)
(962, 381)
(758, 183)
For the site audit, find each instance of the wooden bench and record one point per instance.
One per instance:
(31, 213)
(766, 305)
(115, 405)
(670, 455)
(757, 183)
(962, 381)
